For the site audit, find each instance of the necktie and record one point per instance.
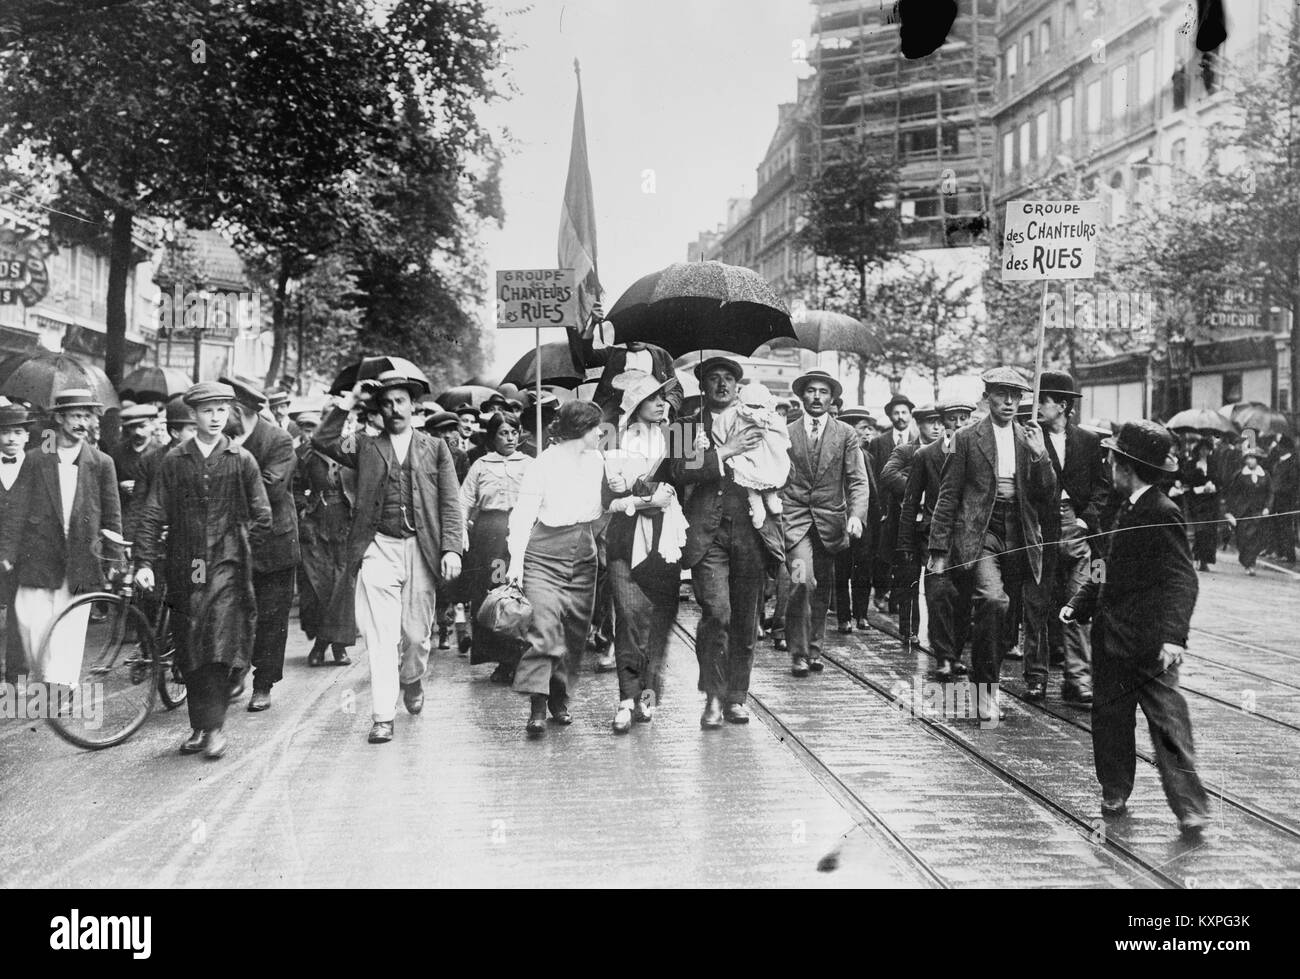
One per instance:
(816, 430)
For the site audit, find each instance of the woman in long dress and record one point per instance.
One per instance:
(643, 546)
(1249, 498)
(1201, 494)
(553, 556)
(487, 497)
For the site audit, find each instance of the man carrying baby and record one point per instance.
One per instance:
(824, 503)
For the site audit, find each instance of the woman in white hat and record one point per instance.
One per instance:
(643, 546)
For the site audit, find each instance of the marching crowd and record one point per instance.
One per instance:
(1012, 524)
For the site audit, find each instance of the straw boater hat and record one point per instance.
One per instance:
(70, 398)
(396, 379)
(636, 386)
(801, 382)
(1147, 442)
(278, 398)
(855, 414)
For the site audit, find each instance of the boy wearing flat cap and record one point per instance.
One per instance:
(209, 496)
(1141, 612)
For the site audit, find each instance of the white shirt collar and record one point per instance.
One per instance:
(1137, 494)
(401, 444)
(205, 448)
(68, 455)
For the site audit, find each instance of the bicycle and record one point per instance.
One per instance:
(127, 658)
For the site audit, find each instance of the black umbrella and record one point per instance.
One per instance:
(692, 305)
(155, 383)
(473, 394)
(558, 368)
(35, 378)
(368, 368)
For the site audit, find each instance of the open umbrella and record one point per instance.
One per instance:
(558, 368)
(1251, 414)
(155, 383)
(1201, 420)
(822, 330)
(475, 394)
(690, 305)
(368, 368)
(35, 377)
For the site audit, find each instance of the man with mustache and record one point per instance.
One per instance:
(883, 519)
(134, 455)
(729, 559)
(65, 494)
(275, 556)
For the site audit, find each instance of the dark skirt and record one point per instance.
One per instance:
(560, 583)
(485, 567)
(1250, 538)
(645, 604)
(326, 610)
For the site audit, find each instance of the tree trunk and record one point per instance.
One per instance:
(279, 324)
(862, 382)
(119, 270)
(1293, 388)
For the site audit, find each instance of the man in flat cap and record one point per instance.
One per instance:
(728, 557)
(1071, 537)
(1141, 610)
(895, 479)
(15, 429)
(824, 505)
(65, 494)
(135, 452)
(405, 541)
(210, 498)
(986, 521)
(884, 517)
(275, 556)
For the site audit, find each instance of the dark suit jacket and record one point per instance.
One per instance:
(1149, 588)
(1086, 477)
(32, 536)
(613, 360)
(703, 486)
(825, 488)
(435, 489)
(920, 493)
(970, 485)
(272, 448)
(6, 499)
(1249, 498)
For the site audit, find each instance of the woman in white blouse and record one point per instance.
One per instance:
(487, 496)
(553, 555)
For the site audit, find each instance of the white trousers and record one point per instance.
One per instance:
(396, 606)
(60, 660)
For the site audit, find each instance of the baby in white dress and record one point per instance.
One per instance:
(763, 470)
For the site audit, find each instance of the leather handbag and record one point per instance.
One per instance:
(506, 613)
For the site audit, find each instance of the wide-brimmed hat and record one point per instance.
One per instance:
(1005, 377)
(636, 386)
(927, 410)
(209, 391)
(70, 398)
(803, 380)
(1057, 383)
(899, 399)
(137, 415)
(246, 392)
(1146, 442)
(702, 370)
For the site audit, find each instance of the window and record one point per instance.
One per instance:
(1178, 155)
(1027, 49)
(1071, 18)
(1232, 387)
(1011, 61)
(1146, 76)
(1008, 152)
(1040, 135)
(1024, 143)
(1045, 37)
(1066, 115)
(1119, 92)
(1094, 106)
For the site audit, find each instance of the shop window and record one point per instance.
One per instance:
(1232, 387)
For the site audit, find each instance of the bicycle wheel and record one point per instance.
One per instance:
(171, 686)
(106, 643)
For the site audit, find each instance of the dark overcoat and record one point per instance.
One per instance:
(213, 510)
(32, 536)
(920, 494)
(272, 448)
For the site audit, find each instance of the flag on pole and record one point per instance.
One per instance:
(577, 249)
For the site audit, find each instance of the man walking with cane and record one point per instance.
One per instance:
(406, 538)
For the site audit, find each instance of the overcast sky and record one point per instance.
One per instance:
(686, 88)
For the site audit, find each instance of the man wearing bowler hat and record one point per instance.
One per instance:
(15, 429)
(65, 494)
(1071, 535)
(405, 540)
(986, 521)
(275, 556)
(209, 495)
(883, 519)
(824, 504)
(727, 556)
(1141, 610)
